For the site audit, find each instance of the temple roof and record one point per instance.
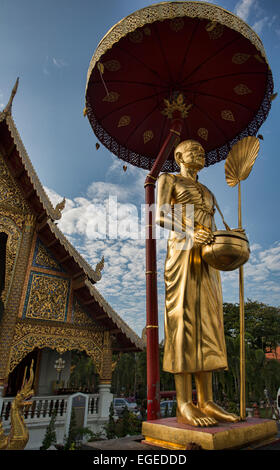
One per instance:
(83, 275)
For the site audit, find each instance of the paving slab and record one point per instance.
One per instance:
(123, 443)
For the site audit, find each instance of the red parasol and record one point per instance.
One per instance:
(199, 51)
(187, 70)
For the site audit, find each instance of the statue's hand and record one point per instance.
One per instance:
(227, 227)
(239, 230)
(203, 236)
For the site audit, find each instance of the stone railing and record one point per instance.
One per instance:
(42, 408)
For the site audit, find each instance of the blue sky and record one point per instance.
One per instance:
(49, 46)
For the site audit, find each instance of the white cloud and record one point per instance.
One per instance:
(243, 8)
(261, 276)
(266, 21)
(51, 63)
(123, 277)
(1, 99)
(59, 63)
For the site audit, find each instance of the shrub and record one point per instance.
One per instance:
(50, 436)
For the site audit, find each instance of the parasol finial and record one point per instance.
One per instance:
(177, 104)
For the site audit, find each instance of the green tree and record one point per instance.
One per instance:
(50, 435)
(262, 324)
(110, 427)
(70, 439)
(83, 375)
(166, 379)
(127, 424)
(262, 333)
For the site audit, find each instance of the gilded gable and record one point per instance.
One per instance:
(47, 297)
(8, 226)
(11, 199)
(43, 258)
(80, 317)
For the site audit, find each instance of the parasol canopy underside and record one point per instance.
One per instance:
(224, 79)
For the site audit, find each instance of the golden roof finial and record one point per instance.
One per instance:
(8, 108)
(99, 267)
(59, 208)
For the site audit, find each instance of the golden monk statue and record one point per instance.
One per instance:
(194, 332)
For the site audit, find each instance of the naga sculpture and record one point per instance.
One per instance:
(18, 436)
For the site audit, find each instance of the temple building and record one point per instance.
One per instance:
(50, 304)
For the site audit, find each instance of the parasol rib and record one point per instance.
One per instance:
(140, 123)
(187, 51)
(97, 82)
(225, 76)
(205, 114)
(222, 99)
(142, 63)
(161, 135)
(129, 104)
(186, 125)
(162, 53)
(209, 58)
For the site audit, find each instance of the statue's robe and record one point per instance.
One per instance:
(194, 331)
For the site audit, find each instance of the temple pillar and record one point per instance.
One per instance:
(8, 323)
(105, 379)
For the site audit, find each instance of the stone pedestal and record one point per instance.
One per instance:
(105, 400)
(169, 434)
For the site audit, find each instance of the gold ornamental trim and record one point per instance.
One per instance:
(54, 213)
(177, 104)
(35, 334)
(170, 10)
(112, 314)
(93, 274)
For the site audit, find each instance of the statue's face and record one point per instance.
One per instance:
(191, 155)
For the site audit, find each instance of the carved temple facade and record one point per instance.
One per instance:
(49, 297)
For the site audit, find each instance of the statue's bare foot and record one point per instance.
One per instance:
(218, 413)
(188, 413)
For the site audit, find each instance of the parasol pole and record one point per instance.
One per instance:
(153, 374)
(242, 323)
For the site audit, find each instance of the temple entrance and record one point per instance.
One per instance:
(83, 375)
(77, 373)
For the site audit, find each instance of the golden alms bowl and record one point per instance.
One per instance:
(228, 251)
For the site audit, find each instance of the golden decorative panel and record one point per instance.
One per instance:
(112, 65)
(242, 89)
(147, 31)
(177, 24)
(240, 58)
(14, 236)
(136, 37)
(35, 334)
(203, 133)
(47, 297)
(43, 258)
(10, 195)
(215, 30)
(124, 121)
(227, 115)
(81, 318)
(178, 104)
(147, 136)
(112, 97)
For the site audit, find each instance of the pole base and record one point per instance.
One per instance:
(169, 434)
